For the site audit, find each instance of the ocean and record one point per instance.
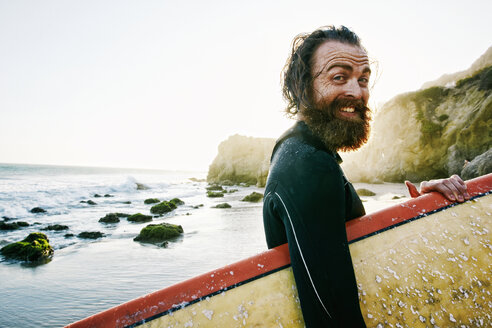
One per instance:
(87, 276)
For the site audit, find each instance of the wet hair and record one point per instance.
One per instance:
(296, 74)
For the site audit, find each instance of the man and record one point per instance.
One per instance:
(307, 197)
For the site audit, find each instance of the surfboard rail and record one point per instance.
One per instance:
(175, 297)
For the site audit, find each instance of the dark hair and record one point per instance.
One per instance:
(296, 74)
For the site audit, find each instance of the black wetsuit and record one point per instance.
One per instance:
(307, 202)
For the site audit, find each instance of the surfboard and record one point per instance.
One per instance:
(423, 263)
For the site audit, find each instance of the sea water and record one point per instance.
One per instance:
(87, 276)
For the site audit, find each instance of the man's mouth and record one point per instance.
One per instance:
(347, 109)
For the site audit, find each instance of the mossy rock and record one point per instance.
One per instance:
(198, 206)
(215, 187)
(108, 195)
(213, 194)
(176, 201)
(110, 218)
(9, 226)
(162, 207)
(122, 215)
(91, 202)
(38, 210)
(254, 197)
(151, 201)
(33, 248)
(56, 227)
(158, 233)
(365, 192)
(68, 235)
(126, 202)
(222, 205)
(22, 224)
(90, 235)
(139, 217)
(230, 191)
(97, 195)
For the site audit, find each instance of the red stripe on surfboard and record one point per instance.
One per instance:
(427, 203)
(163, 300)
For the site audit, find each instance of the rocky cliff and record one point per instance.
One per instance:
(429, 133)
(242, 160)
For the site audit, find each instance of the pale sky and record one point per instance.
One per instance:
(159, 84)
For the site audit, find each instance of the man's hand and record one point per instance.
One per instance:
(453, 188)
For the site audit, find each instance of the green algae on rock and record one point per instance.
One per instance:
(213, 194)
(162, 207)
(140, 218)
(90, 235)
(365, 192)
(158, 233)
(56, 227)
(176, 201)
(254, 197)
(151, 201)
(222, 205)
(110, 218)
(35, 247)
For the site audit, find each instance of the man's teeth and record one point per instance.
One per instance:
(348, 109)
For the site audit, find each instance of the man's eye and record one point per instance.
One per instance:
(364, 80)
(338, 78)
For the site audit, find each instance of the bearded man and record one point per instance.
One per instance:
(307, 197)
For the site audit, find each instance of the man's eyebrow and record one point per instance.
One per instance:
(347, 67)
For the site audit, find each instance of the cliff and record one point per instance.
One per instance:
(429, 133)
(242, 160)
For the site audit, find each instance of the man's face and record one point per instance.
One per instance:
(339, 95)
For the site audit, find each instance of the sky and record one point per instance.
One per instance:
(159, 84)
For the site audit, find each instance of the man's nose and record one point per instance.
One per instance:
(353, 89)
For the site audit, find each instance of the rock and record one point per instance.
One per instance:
(242, 159)
(222, 205)
(6, 218)
(68, 235)
(158, 233)
(198, 206)
(9, 226)
(139, 217)
(151, 201)
(162, 207)
(83, 201)
(215, 187)
(479, 166)
(164, 244)
(97, 195)
(177, 202)
(38, 210)
(397, 197)
(126, 202)
(141, 186)
(90, 235)
(34, 248)
(56, 227)
(365, 192)
(254, 197)
(108, 195)
(110, 218)
(230, 191)
(90, 202)
(197, 180)
(22, 224)
(214, 194)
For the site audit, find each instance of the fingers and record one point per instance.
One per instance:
(453, 188)
(412, 190)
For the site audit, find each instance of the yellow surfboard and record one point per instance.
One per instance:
(424, 263)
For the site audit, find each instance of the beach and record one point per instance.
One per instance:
(87, 276)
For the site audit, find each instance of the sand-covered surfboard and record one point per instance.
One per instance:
(423, 263)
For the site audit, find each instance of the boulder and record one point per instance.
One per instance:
(110, 218)
(38, 210)
(139, 217)
(214, 194)
(242, 159)
(90, 235)
(215, 187)
(162, 207)
(158, 233)
(222, 205)
(479, 166)
(97, 195)
(365, 192)
(56, 227)
(254, 197)
(151, 201)
(176, 201)
(141, 186)
(9, 226)
(34, 248)
(108, 195)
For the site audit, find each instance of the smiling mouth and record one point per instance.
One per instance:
(347, 109)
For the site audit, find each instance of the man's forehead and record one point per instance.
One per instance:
(331, 52)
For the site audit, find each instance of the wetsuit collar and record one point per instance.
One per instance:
(301, 130)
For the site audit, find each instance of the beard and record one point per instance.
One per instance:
(338, 133)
